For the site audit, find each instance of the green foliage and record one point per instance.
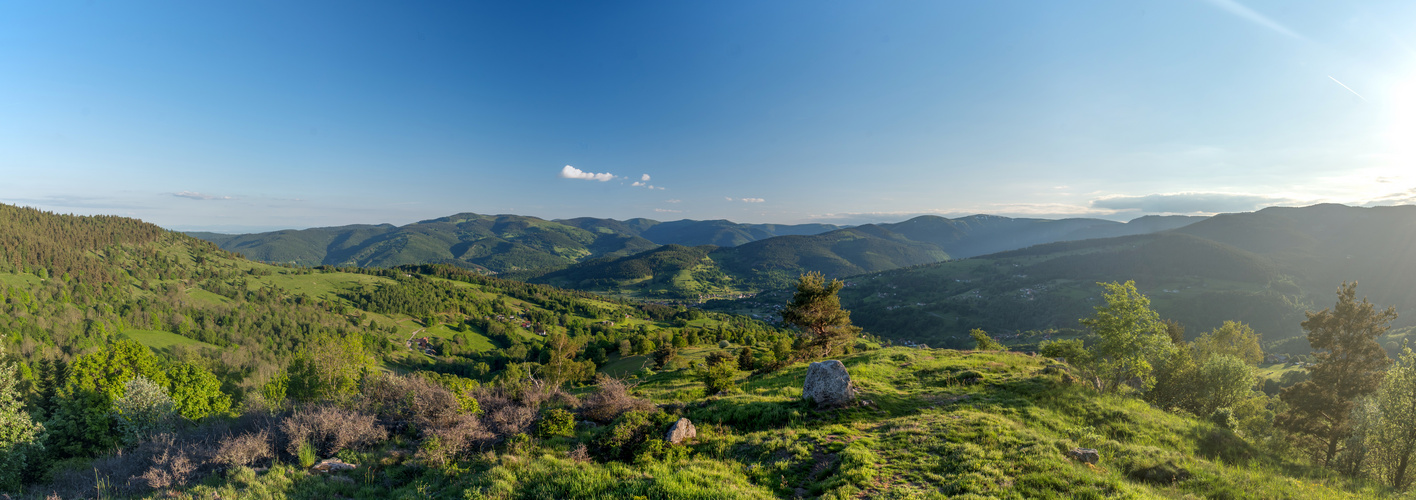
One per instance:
(1232, 338)
(328, 368)
(196, 392)
(306, 455)
(20, 437)
(108, 370)
(983, 342)
(1350, 364)
(144, 410)
(717, 376)
(816, 309)
(1130, 337)
(556, 422)
(1073, 351)
(745, 361)
(629, 435)
(1393, 437)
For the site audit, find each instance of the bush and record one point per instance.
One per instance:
(409, 403)
(329, 429)
(717, 377)
(144, 410)
(556, 422)
(245, 449)
(610, 400)
(626, 438)
(983, 342)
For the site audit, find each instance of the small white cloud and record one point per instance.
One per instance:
(569, 172)
(729, 198)
(637, 183)
(193, 195)
(644, 177)
(753, 200)
(673, 201)
(667, 211)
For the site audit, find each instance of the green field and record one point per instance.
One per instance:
(319, 285)
(161, 340)
(478, 342)
(19, 280)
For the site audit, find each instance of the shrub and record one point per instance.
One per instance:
(983, 342)
(627, 436)
(610, 400)
(556, 422)
(329, 429)
(144, 410)
(409, 403)
(245, 449)
(717, 377)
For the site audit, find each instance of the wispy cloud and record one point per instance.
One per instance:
(1349, 89)
(1252, 16)
(1189, 203)
(193, 195)
(673, 201)
(753, 200)
(668, 211)
(569, 172)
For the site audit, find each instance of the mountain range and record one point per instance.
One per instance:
(1265, 268)
(630, 255)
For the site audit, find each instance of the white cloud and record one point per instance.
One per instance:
(1189, 203)
(729, 198)
(569, 172)
(673, 201)
(637, 183)
(667, 211)
(753, 200)
(644, 177)
(193, 195)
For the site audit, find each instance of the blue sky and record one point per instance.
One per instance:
(244, 116)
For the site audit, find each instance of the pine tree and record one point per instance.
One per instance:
(816, 309)
(1350, 365)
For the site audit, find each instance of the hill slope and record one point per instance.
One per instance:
(1264, 268)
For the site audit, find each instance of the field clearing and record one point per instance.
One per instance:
(204, 297)
(156, 339)
(19, 280)
(319, 285)
(479, 342)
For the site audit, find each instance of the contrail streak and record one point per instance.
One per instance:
(1349, 89)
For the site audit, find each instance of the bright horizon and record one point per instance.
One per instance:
(259, 116)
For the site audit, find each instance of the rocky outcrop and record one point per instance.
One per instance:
(828, 384)
(681, 431)
(333, 465)
(1087, 455)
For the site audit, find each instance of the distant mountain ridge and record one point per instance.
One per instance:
(1265, 268)
(751, 254)
(494, 243)
(777, 261)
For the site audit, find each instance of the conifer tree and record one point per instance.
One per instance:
(816, 309)
(1350, 365)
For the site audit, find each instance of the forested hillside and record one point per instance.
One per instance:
(1265, 268)
(624, 256)
(491, 243)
